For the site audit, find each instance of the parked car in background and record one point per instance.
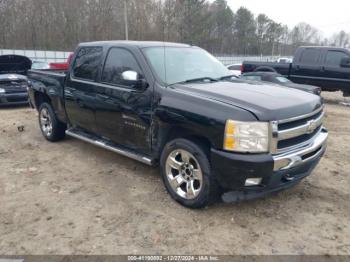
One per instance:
(62, 66)
(70, 58)
(59, 66)
(13, 80)
(326, 67)
(176, 106)
(284, 60)
(280, 80)
(235, 69)
(40, 65)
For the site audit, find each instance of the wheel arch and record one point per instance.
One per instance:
(40, 97)
(180, 132)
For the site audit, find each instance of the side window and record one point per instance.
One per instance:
(87, 63)
(310, 56)
(118, 61)
(334, 58)
(252, 78)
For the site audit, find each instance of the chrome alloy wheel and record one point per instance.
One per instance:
(46, 122)
(184, 174)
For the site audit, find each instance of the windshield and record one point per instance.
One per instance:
(184, 63)
(282, 79)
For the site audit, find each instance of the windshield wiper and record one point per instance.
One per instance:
(200, 79)
(227, 77)
(195, 80)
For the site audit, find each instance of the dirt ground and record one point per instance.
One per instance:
(73, 198)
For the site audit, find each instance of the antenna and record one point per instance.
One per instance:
(126, 21)
(164, 54)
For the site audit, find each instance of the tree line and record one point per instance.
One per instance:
(62, 24)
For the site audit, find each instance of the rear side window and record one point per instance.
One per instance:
(310, 56)
(87, 63)
(118, 61)
(334, 58)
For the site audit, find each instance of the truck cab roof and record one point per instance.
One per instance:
(139, 44)
(325, 47)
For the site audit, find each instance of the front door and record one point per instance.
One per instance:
(335, 75)
(307, 69)
(79, 90)
(123, 112)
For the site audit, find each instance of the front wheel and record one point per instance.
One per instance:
(186, 174)
(51, 128)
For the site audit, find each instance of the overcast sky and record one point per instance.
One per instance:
(327, 16)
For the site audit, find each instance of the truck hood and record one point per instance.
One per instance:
(307, 88)
(266, 102)
(14, 64)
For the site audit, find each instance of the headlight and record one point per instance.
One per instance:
(2, 91)
(252, 137)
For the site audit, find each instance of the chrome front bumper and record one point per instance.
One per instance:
(303, 155)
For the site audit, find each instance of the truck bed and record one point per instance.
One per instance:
(50, 82)
(49, 77)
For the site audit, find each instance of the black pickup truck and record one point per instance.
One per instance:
(176, 105)
(326, 67)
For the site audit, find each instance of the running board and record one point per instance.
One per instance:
(107, 145)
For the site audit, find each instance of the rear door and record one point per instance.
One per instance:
(307, 67)
(335, 76)
(79, 89)
(123, 112)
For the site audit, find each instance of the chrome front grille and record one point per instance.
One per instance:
(295, 132)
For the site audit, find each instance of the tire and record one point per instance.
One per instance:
(51, 128)
(185, 170)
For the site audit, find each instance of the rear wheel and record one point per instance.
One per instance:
(51, 128)
(186, 174)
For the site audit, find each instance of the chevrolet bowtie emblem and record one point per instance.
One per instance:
(311, 126)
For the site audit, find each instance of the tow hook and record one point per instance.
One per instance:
(288, 177)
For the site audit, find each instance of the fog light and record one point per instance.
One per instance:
(253, 181)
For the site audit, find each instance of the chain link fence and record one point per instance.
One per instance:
(39, 55)
(58, 56)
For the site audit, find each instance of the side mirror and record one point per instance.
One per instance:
(135, 79)
(345, 62)
(130, 76)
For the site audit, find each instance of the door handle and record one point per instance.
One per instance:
(297, 67)
(323, 68)
(102, 96)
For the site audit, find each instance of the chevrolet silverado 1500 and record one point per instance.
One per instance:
(176, 105)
